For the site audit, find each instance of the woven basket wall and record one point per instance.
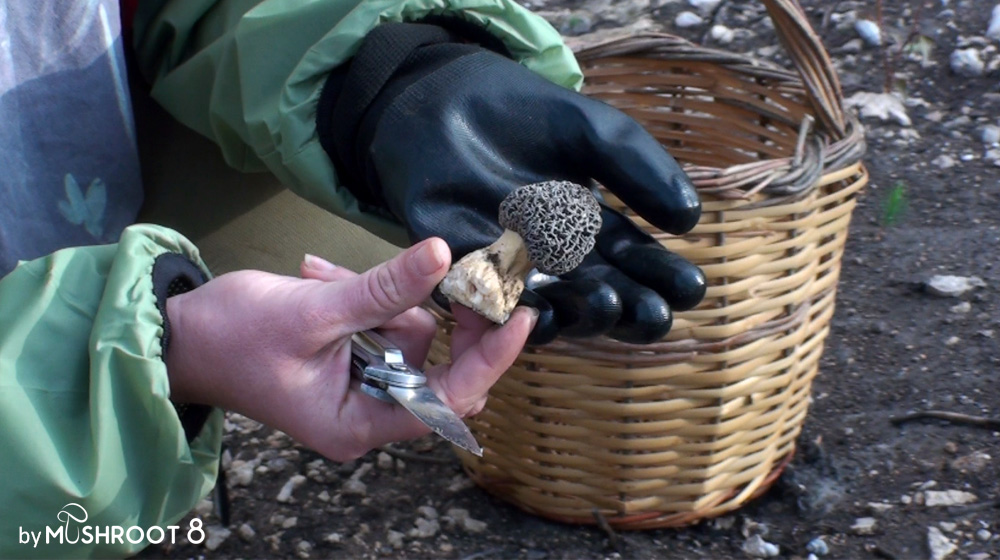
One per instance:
(695, 425)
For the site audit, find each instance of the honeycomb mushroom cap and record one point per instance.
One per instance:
(558, 221)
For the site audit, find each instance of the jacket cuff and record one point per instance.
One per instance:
(175, 274)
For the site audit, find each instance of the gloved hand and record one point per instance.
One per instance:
(456, 127)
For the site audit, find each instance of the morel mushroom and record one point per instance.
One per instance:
(549, 225)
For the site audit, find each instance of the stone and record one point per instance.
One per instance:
(863, 526)
(883, 106)
(333, 538)
(303, 549)
(293, 483)
(424, 528)
(354, 487)
(940, 546)
(395, 539)
(818, 547)
(384, 461)
(869, 32)
(722, 34)
(993, 30)
(939, 498)
(246, 532)
(461, 518)
(967, 63)
(688, 19)
(241, 472)
(952, 286)
(989, 134)
(757, 547)
(427, 512)
(215, 536)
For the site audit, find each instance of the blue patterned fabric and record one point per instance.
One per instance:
(69, 169)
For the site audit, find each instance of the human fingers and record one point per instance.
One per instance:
(627, 160)
(412, 330)
(318, 268)
(464, 383)
(374, 297)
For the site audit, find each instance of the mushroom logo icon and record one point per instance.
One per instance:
(76, 513)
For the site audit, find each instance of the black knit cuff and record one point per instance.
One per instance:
(175, 274)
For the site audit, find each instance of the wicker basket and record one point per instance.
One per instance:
(695, 425)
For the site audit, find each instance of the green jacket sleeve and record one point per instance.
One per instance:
(85, 415)
(248, 75)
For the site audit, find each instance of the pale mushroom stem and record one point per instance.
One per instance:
(490, 280)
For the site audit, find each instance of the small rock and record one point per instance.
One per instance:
(947, 526)
(967, 63)
(751, 528)
(215, 536)
(973, 462)
(427, 512)
(241, 472)
(688, 19)
(951, 447)
(993, 31)
(944, 161)
(953, 340)
(289, 522)
(952, 286)
(460, 517)
(303, 549)
(334, 538)
(293, 483)
(869, 32)
(989, 134)
(936, 498)
(879, 507)
(818, 547)
(905, 500)
(863, 526)
(395, 539)
(704, 6)
(460, 483)
(424, 528)
(940, 546)
(722, 34)
(246, 532)
(364, 469)
(204, 508)
(323, 496)
(353, 487)
(757, 547)
(961, 308)
(384, 461)
(883, 106)
(983, 535)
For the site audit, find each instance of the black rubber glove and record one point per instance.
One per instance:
(439, 131)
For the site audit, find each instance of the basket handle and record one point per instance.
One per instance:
(811, 60)
(804, 47)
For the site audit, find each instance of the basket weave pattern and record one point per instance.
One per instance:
(695, 425)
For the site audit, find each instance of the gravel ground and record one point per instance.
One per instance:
(859, 487)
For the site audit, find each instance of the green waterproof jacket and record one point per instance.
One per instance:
(85, 415)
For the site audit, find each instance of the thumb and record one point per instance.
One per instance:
(370, 299)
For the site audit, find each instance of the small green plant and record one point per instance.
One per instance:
(895, 205)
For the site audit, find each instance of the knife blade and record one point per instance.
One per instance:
(386, 376)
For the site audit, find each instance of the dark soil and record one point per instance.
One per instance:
(893, 349)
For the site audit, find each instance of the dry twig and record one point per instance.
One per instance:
(955, 417)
